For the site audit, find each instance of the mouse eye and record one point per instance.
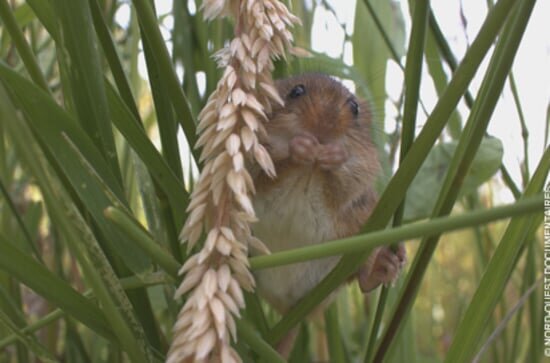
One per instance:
(354, 106)
(297, 91)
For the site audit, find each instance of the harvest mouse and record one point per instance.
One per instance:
(326, 163)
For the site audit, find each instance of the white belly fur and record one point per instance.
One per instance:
(292, 216)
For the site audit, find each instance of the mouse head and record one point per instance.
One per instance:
(318, 105)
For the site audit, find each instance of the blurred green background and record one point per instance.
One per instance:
(98, 99)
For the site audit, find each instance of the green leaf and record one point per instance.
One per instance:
(9, 304)
(336, 347)
(23, 14)
(440, 81)
(74, 346)
(166, 120)
(132, 228)
(52, 288)
(144, 148)
(79, 44)
(497, 274)
(128, 284)
(27, 239)
(184, 38)
(300, 353)
(32, 344)
(370, 53)
(45, 13)
(468, 145)
(23, 48)
(72, 229)
(423, 192)
(166, 70)
(52, 125)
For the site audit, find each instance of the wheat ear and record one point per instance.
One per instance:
(221, 206)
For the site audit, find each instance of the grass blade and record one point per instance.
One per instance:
(22, 46)
(32, 344)
(52, 288)
(167, 72)
(167, 124)
(469, 143)
(128, 283)
(144, 240)
(413, 72)
(21, 224)
(368, 241)
(336, 347)
(51, 123)
(69, 223)
(109, 49)
(86, 77)
(496, 276)
(160, 171)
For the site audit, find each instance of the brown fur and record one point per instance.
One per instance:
(324, 112)
(326, 167)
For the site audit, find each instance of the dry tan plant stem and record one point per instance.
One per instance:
(229, 126)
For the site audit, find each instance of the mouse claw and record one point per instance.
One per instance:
(401, 254)
(382, 267)
(303, 149)
(331, 156)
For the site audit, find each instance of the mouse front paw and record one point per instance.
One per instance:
(331, 156)
(303, 149)
(382, 267)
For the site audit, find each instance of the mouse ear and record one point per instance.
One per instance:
(297, 91)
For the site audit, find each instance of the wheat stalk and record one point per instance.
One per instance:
(221, 205)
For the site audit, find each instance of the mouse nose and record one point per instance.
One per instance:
(326, 130)
(321, 118)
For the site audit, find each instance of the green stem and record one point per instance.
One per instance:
(451, 61)
(383, 33)
(363, 242)
(22, 46)
(497, 273)
(168, 72)
(547, 127)
(255, 313)
(113, 59)
(168, 130)
(256, 343)
(30, 242)
(128, 283)
(507, 179)
(469, 142)
(524, 130)
(40, 351)
(506, 319)
(142, 238)
(447, 53)
(336, 346)
(413, 75)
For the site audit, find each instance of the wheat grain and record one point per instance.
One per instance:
(221, 204)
